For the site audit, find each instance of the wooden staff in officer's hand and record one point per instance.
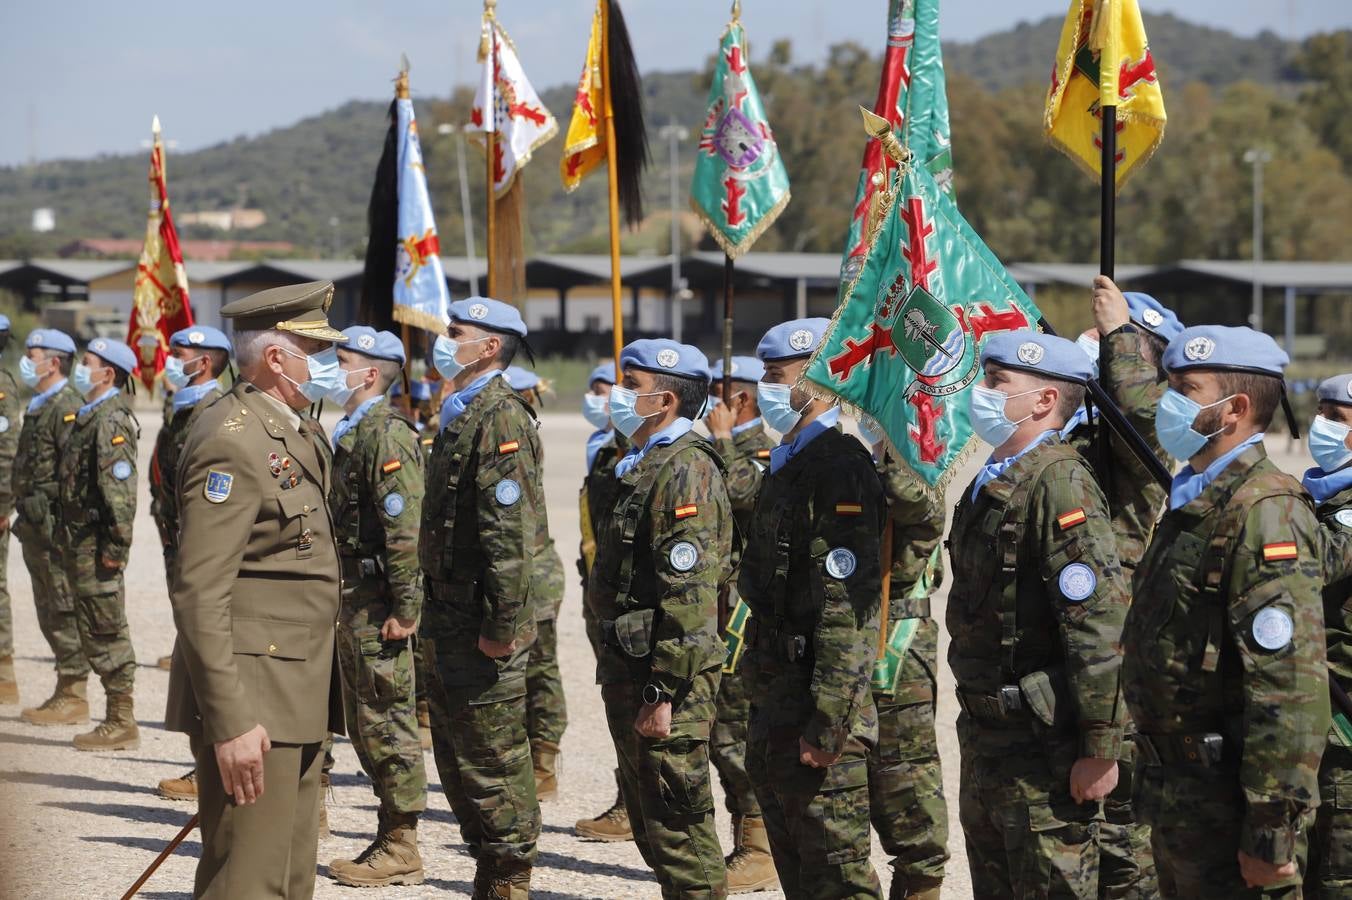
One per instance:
(159, 860)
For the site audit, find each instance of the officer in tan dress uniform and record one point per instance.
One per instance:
(255, 595)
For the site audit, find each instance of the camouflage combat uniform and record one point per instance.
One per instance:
(546, 710)
(10, 426)
(1035, 616)
(42, 443)
(662, 556)
(1230, 733)
(476, 548)
(596, 500)
(164, 469)
(376, 504)
(1135, 499)
(96, 478)
(812, 576)
(906, 785)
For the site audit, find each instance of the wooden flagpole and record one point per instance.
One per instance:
(727, 328)
(490, 148)
(613, 180)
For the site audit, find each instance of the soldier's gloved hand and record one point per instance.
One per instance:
(496, 649)
(809, 755)
(1110, 307)
(397, 629)
(720, 420)
(240, 761)
(1092, 779)
(1259, 874)
(654, 720)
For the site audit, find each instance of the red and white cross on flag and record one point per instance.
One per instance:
(507, 104)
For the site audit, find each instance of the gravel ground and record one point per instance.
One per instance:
(87, 824)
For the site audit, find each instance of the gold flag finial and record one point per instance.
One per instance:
(155, 124)
(401, 81)
(736, 10)
(490, 22)
(880, 128)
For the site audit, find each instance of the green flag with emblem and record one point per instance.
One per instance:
(740, 186)
(904, 345)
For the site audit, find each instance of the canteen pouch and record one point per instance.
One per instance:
(1044, 694)
(633, 632)
(382, 679)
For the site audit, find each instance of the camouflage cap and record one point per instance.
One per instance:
(300, 309)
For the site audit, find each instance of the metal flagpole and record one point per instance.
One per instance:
(490, 147)
(613, 179)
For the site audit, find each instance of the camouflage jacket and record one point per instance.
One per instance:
(1038, 601)
(11, 423)
(376, 504)
(1227, 636)
(164, 466)
(96, 479)
(546, 577)
(1135, 498)
(812, 576)
(662, 556)
(479, 511)
(597, 499)
(42, 442)
(1335, 515)
(747, 456)
(917, 528)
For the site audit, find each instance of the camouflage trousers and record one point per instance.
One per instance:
(54, 601)
(1195, 814)
(1330, 871)
(101, 615)
(6, 614)
(666, 788)
(546, 710)
(1126, 861)
(727, 745)
(481, 749)
(381, 710)
(817, 819)
(1025, 836)
(906, 786)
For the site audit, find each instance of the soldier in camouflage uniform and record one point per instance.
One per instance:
(376, 505)
(1035, 615)
(10, 413)
(1225, 668)
(96, 489)
(46, 429)
(662, 557)
(740, 438)
(477, 549)
(546, 711)
(811, 575)
(604, 449)
(1329, 871)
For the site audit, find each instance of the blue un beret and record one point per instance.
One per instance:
(50, 339)
(790, 340)
(1337, 389)
(4, 322)
(744, 368)
(367, 341)
(200, 337)
(604, 372)
(115, 353)
(1237, 349)
(1038, 353)
(1152, 315)
(666, 357)
(491, 314)
(521, 379)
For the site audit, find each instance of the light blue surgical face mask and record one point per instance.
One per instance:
(623, 416)
(83, 379)
(326, 376)
(28, 371)
(596, 410)
(346, 389)
(871, 438)
(1328, 444)
(1174, 416)
(444, 350)
(174, 371)
(776, 406)
(989, 420)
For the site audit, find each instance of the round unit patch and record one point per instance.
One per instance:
(507, 492)
(840, 563)
(800, 339)
(668, 358)
(478, 311)
(394, 505)
(121, 470)
(1152, 318)
(196, 337)
(4, 424)
(1077, 582)
(99, 346)
(1272, 628)
(1031, 353)
(366, 341)
(35, 339)
(1199, 348)
(1343, 517)
(683, 556)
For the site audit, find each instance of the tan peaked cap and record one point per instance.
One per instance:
(301, 309)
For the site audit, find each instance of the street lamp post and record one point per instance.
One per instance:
(1257, 158)
(466, 216)
(675, 134)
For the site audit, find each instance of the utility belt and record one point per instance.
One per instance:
(1207, 749)
(780, 643)
(1004, 705)
(1040, 698)
(361, 568)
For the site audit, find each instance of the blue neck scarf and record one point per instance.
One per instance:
(746, 426)
(668, 435)
(994, 468)
(1324, 486)
(1188, 485)
(780, 456)
(95, 404)
(193, 394)
(41, 399)
(457, 403)
(595, 443)
(350, 421)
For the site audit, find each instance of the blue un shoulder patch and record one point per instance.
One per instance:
(394, 505)
(121, 470)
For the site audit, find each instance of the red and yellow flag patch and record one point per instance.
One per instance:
(68, 417)
(762, 454)
(1278, 552)
(1069, 520)
(118, 440)
(849, 509)
(685, 512)
(393, 465)
(509, 447)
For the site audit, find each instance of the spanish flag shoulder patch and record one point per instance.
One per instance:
(762, 454)
(393, 465)
(685, 512)
(1280, 551)
(849, 509)
(428, 441)
(68, 417)
(509, 446)
(1069, 520)
(118, 440)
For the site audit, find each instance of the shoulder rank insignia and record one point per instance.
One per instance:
(1067, 521)
(509, 447)
(393, 465)
(233, 425)
(217, 488)
(849, 509)
(68, 417)
(118, 440)
(1278, 552)
(685, 512)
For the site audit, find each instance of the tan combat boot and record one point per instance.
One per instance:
(117, 731)
(9, 687)
(545, 757)
(915, 888)
(66, 706)
(611, 825)
(508, 883)
(750, 865)
(392, 857)
(325, 788)
(184, 788)
(424, 725)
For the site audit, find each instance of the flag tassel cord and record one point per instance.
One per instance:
(613, 182)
